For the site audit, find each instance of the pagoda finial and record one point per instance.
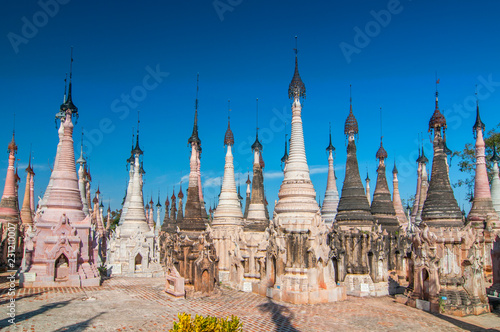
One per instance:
(29, 169)
(257, 145)
(137, 150)
(351, 124)
(296, 89)
(437, 120)
(285, 155)
(68, 104)
(381, 153)
(229, 137)
(197, 89)
(478, 125)
(65, 87)
(81, 160)
(194, 139)
(158, 205)
(12, 147)
(330, 146)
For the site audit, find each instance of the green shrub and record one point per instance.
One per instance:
(206, 324)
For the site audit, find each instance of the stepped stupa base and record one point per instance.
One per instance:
(361, 285)
(297, 289)
(87, 276)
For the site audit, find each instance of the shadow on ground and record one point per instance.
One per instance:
(40, 311)
(461, 324)
(78, 326)
(6, 299)
(282, 316)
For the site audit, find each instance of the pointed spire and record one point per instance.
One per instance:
(478, 125)
(158, 205)
(495, 157)
(228, 137)
(381, 153)
(12, 147)
(284, 159)
(29, 169)
(437, 120)
(394, 169)
(68, 104)
(257, 145)
(351, 124)
(137, 150)
(194, 136)
(180, 195)
(81, 160)
(296, 89)
(423, 158)
(330, 146)
(65, 87)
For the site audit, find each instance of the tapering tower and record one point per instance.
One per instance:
(228, 219)
(9, 210)
(151, 219)
(367, 188)
(414, 208)
(26, 211)
(135, 217)
(180, 212)
(495, 182)
(108, 221)
(133, 247)
(305, 274)
(382, 207)
(451, 257)
(482, 212)
(396, 198)
(248, 197)
(331, 201)
(128, 191)
(194, 219)
(440, 208)
(158, 216)
(257, 217)
(354, 209)
(62, 253)
(81, 179)
(173, 208)
(296, 195)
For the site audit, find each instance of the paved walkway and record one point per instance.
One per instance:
(128, 304)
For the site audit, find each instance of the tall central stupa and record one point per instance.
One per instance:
(298, 269)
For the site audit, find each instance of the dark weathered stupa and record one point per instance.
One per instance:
(382, 207)
(353, 209)
(440, 207)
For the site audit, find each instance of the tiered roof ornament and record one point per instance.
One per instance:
(297, 88)
(194, 136)
(228, 137)
(351, 124)
(440, 208)
(68, 103)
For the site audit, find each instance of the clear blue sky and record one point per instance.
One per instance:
(242, 50)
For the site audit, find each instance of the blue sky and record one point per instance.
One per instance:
(389, 51)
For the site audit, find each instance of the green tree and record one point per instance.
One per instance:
(115, 218)
(467, 159)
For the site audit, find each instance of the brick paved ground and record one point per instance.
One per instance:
(127, 304)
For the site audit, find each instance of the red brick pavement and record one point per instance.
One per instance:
(135, 304)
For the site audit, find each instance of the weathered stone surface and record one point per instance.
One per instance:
(353, 209)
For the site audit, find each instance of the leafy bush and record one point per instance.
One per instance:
(206, 324)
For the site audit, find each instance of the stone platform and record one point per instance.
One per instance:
(132, 304)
